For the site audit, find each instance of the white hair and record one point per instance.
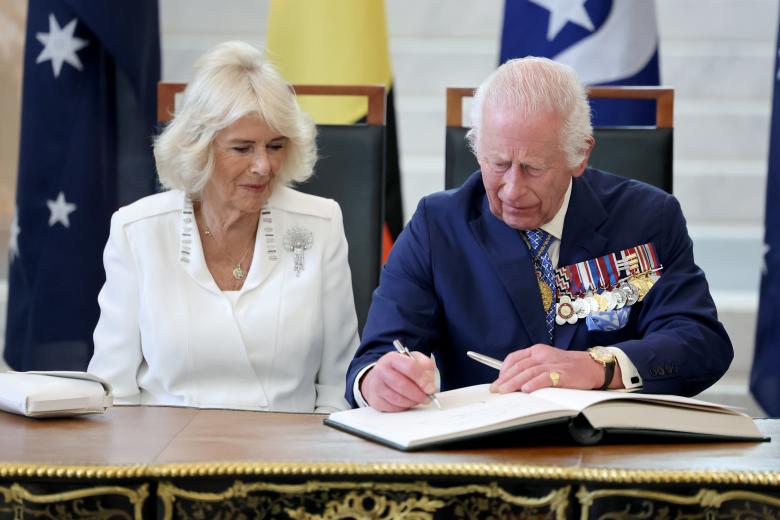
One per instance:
(533, 86)
(232, 81)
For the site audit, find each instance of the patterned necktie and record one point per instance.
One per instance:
(539, 242)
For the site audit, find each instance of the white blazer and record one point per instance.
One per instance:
(167, 335)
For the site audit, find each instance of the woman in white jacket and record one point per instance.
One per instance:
(229, 290)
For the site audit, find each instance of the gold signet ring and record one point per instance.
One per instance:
(555, 377)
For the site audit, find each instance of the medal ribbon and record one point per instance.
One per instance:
(608, 271)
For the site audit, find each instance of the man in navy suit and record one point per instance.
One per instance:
(475, 269)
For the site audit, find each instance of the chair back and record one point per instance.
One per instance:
(637, 152)
(350, 170)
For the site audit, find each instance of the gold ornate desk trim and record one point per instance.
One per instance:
(623, 476)
(351, 505)
(16, 496)
(704, 498)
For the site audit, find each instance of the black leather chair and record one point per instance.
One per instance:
(350, 171)
(637, 152)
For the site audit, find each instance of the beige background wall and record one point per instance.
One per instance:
(12, 28)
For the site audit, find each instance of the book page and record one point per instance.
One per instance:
(653, 412)
(581, 399)
(640, 415)
(465, 410)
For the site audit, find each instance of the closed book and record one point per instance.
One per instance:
(588, 415)
(53, 393)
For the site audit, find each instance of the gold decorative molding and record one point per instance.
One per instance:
(293, 469)
(17, 496)
(13, 470)
(362, 499)
(705, 498)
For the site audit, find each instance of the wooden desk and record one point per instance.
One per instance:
(176, 462)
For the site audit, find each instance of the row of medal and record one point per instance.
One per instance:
(605, 284)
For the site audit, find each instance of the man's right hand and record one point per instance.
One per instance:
(398, 383)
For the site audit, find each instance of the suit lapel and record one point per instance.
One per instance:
(511, 260)
(266, 255)
(191, 249)
(581, 239)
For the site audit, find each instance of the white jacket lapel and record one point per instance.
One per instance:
(267, 249)
(191, 249)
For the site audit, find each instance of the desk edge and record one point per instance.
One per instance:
(348, 469)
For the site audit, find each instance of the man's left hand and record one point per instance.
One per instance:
(530, 369)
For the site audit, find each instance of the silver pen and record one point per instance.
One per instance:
(405, 351)
(485, 360)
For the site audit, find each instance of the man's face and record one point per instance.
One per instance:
(524, 169)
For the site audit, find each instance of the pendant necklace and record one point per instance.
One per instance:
(238, 271)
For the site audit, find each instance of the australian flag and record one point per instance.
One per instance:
(608, 42)
(765, 376)
(88, 114)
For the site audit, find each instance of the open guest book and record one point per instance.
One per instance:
(588, 414)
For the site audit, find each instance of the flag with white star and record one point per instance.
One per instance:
(88, 114)
(608, 42)
(765, 374)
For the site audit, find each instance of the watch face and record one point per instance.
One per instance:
(601, 354)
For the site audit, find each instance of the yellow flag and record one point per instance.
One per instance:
(330, 42)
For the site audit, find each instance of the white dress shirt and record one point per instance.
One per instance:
(167, 334)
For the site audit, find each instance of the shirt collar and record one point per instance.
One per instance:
(555, 225)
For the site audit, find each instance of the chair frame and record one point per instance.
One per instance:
(166, 98)
(664, 97)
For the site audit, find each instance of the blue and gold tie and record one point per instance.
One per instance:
(539, 242)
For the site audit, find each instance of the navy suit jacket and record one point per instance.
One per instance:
(460, 279)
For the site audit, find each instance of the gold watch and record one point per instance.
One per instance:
(607, 359)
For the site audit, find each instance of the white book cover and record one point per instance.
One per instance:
(53, 393)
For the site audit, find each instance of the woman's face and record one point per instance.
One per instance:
(247, 156)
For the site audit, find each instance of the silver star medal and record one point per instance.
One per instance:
(297, 240)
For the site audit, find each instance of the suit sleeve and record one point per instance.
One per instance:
(340, 335)
(405, 305)
(683, 347)
(117, 338)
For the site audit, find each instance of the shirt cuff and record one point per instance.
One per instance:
(362, 403)
(632, 381)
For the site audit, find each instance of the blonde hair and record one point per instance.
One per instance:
(534, 86)
(232, 81)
